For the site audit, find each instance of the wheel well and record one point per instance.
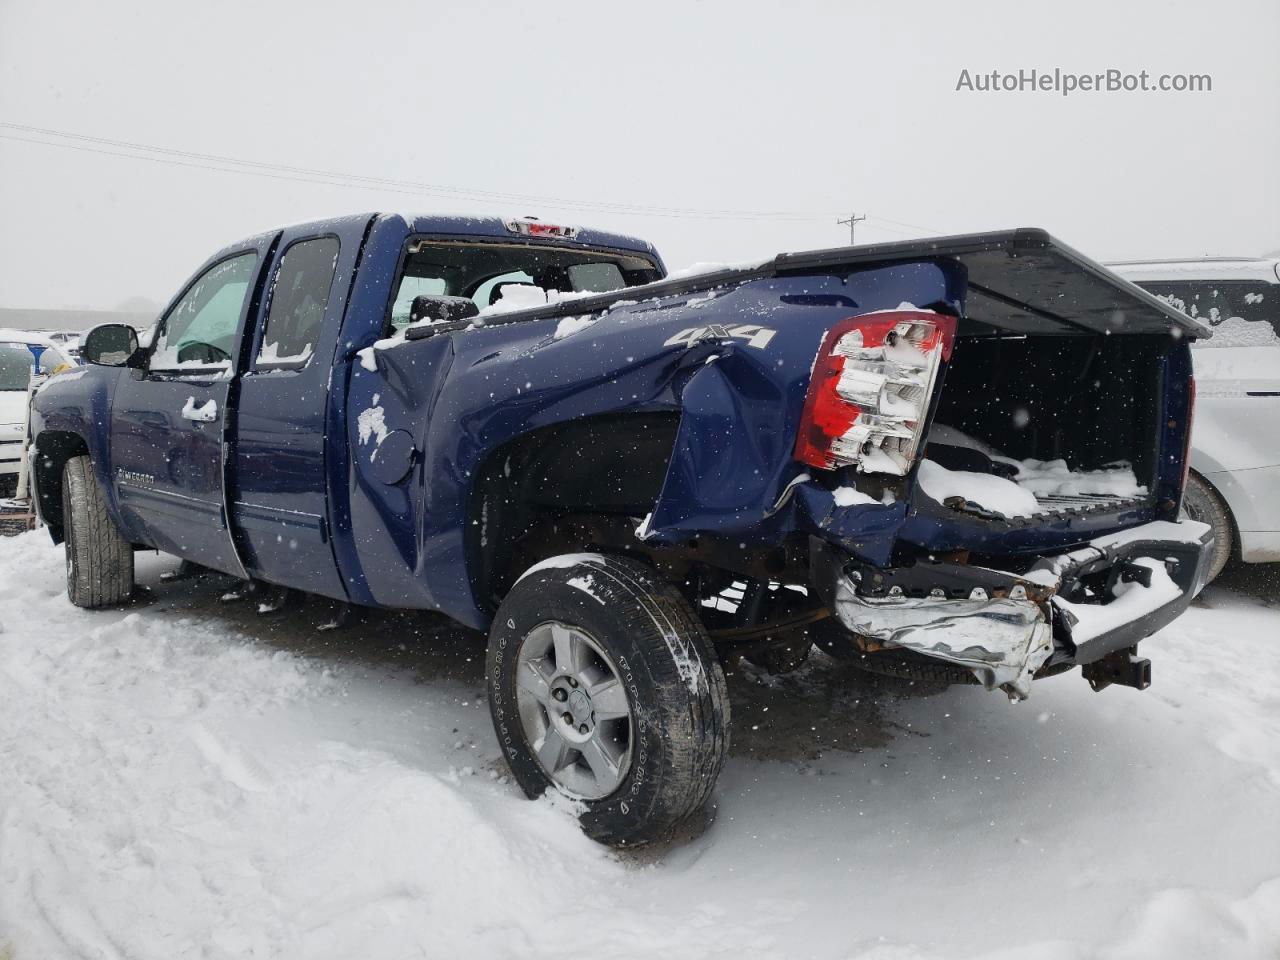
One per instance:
(612, 467)
(53, 449)
(1226, 508)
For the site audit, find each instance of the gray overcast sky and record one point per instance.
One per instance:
(816, 108)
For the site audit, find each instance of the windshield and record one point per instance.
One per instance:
(487, 272)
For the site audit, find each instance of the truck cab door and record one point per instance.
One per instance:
(282, 468)
(170, 419)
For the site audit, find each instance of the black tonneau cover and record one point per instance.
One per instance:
(1021, 280)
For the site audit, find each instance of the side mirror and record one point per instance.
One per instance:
(110, 345)
(440, 309)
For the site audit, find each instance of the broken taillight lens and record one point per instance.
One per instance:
(870, 390)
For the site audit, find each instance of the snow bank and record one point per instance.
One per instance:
(170, 787)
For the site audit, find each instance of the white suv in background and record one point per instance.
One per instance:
(22, 356)
(1235, 461)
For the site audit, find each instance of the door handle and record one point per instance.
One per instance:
(207, 412)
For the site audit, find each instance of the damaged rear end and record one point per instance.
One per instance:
(966, 453)
(1037, 443)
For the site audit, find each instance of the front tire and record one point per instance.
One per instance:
(99, 559)
(604, 685)
(1201, 502)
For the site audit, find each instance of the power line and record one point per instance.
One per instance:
(909, 226)
(153, 153)
(186, 158)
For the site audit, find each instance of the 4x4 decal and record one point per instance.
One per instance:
(755, 335)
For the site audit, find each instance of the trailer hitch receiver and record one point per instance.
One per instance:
(1122, 667)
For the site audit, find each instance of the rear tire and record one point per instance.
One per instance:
(657, 707)
(1201, 502)
(99, 559)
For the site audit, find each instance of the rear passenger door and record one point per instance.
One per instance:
(281, 475)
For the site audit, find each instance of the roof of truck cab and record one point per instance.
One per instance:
(1266, 269)
(452, 225)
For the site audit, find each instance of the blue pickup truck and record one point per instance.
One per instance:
(960, 458)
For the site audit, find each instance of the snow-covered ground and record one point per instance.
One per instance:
(186, 779)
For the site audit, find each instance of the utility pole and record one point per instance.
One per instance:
(852, 221)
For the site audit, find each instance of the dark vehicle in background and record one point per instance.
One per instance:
(964, 455)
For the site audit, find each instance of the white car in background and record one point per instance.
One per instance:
(1235, 460)
(68, 341)
(22, 356)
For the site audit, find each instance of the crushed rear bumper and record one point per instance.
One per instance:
(1068, 609)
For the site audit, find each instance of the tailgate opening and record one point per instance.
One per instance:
(1059, 423)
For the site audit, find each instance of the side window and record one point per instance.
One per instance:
(1242, 313)
(596, 277)
(299, 296)
(199, 333)
(411, 287)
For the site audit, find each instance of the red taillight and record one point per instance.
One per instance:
(1186, 441)
(870, 390)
